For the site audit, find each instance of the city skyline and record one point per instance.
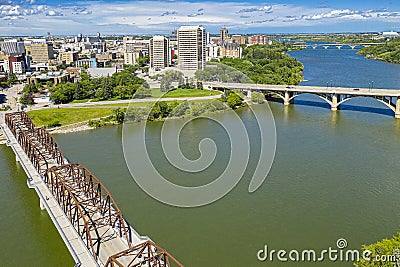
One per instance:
(37, 17)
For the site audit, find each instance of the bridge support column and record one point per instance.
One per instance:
(248, 93)
(397, 112)
(287, 100)
(335, 101)
(41, 204)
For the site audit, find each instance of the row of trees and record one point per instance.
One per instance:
(265, 64)
(170, 76)
(389, 52)
(162, 110)
(122, 85)
(268, 64)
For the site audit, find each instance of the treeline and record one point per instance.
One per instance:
(163, 109)
(121, 85)
(388, 52)
(265, 64)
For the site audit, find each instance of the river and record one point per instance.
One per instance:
(335, 175)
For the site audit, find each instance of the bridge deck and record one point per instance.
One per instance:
(310, 89)
(68, 233)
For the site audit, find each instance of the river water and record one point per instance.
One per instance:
(335, 175)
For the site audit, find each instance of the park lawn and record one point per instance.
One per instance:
(65, 116)
(156, 93)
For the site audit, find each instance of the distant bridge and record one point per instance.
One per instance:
(334, 96)
(338, 46)
(82, 209)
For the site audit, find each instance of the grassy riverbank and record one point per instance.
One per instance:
(156, 93)
(64, 116)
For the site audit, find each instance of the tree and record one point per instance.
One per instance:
(165, 84)
(26, 99)
(142, 92)
(384, 247)
(257, 97)
(30, 88)
(233, 100)
(119, 115)
(199, 85)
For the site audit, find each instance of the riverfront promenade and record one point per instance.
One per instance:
(81, 208)
(334, 96)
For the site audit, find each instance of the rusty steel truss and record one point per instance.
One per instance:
(87, 203)
(144, 254)
(40, 146)
(84, 199)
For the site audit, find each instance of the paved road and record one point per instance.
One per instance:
(122, 102)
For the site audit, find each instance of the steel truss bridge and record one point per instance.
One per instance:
(82, 209)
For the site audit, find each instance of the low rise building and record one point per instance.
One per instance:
(68, 57)
(231, 50)
(86, 63)
(258, 39)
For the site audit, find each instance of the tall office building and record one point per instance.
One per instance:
(159, 52)
(191, 48)
(13, 47)
(223, 35)
(42, 52)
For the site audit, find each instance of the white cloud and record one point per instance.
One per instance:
(162, 16)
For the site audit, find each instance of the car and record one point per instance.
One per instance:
(356, 89)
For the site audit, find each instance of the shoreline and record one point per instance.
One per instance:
(83, 126)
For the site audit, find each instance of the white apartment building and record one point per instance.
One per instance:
(191, 49)
(159, 52)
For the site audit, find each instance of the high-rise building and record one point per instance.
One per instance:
(191, 48)
(13, 47)
(159, 52)
(223, 35)
(41, 52)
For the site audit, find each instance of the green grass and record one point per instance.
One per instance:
(156, 93)
(80, 101)
(65, 116)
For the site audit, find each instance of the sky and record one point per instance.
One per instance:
(37, 17)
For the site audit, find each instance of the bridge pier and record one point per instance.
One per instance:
(248, 93)
(41, 204)
(287, 98)
(397, 112)
(335, 101)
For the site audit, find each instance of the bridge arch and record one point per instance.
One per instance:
(324, 97)
(387, 103)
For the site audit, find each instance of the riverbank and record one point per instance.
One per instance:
(64, 120)
(389, 52)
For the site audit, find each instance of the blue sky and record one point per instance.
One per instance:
(37, 17)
